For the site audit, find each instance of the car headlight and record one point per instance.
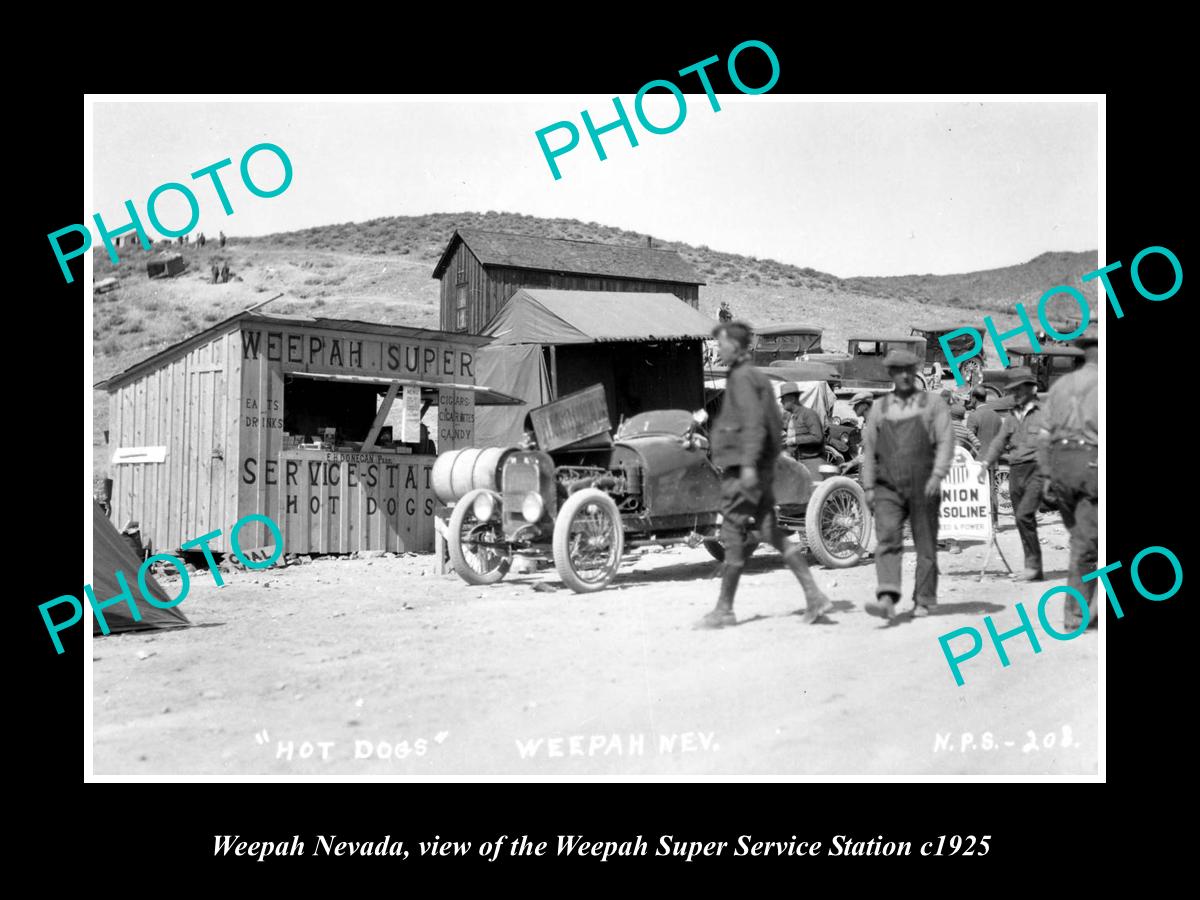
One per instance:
(532, 507)
(483, 507)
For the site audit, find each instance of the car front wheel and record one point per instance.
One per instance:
(588, 541)
(836, 523)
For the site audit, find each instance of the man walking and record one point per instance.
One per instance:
(746, 445)
(908, 446)
(1069, 456)
(803, 433)
(1021, 436)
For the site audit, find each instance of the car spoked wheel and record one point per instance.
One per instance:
(588, 541)
(836, 523)
(476, 546)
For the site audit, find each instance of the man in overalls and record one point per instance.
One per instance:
(746, 439)
(908, 446)
(1069, 454)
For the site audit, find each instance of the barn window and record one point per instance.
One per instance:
(460, 308)
(462, 268)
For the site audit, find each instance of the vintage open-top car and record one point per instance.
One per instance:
(584, 503)
(787, 342)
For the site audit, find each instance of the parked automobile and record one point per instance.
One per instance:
(787, 343)
(861, 366)
(936, 368)
(1048, 365)
(652, 482)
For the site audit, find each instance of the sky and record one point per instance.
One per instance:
(848, 188)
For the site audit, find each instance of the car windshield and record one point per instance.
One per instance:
(660, 421)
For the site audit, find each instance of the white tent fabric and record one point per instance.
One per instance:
(518, 370)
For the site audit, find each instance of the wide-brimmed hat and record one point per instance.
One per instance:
(1020, 375)
(900, 359)
(789, 387)
(862, 397)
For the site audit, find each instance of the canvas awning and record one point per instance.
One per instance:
(535, 316)
(484, 396)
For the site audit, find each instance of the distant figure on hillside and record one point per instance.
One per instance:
(224, 272)
(725, 314)
(200, 239)
(222, 239)
(216, 273)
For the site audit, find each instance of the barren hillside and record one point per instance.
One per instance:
(382, 271)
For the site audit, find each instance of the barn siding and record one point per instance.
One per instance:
(181, 406)
(488, 289)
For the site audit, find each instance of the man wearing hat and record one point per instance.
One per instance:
(745, 447)
(861, 403)
(908, 446)
(985, 422)
(803, 433)
(1069, 457)
(1021, 436)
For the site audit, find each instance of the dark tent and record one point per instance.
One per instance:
(112, 553)
(646, 349)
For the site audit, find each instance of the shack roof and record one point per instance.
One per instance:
(790, 328)
(536, 316)
(262, 318)
(527, 251)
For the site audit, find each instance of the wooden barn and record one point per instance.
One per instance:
(480, 270)
(316, 423)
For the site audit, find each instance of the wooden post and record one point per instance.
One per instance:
(554, 370)
(380, 417)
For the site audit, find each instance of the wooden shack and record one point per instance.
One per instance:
(313, 422)
(165, 265)
(480, 270)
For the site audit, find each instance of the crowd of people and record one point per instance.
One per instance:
(908, 441)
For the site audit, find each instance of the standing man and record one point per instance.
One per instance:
(1069, 456)
(216, 273)
(803, 433)
(745, 447)
(222, 234)
(985, 423)
(908, 446)
(1021, 436)
(224, 272)
(725, 314)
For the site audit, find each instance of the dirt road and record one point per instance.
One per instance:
(380, 667)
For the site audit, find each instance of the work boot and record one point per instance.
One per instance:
(722, 614)
(1029, 575)
(920, 612)
(817, 604)
(883, 606)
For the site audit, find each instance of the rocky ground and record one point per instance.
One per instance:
(380, 667)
